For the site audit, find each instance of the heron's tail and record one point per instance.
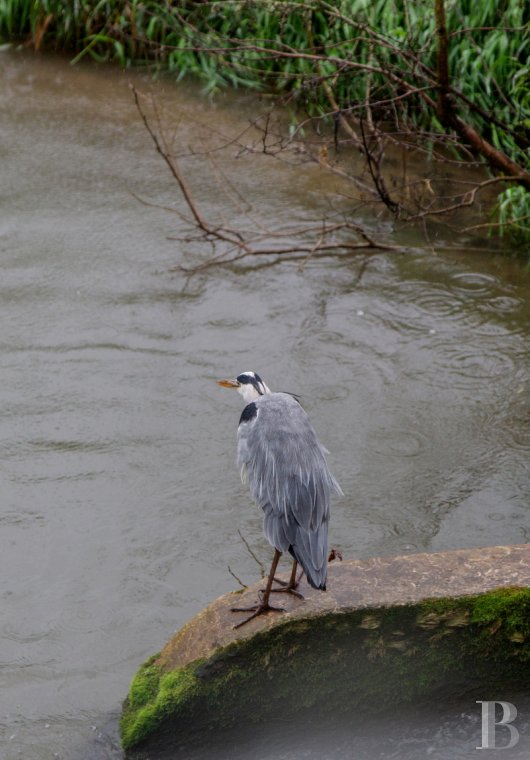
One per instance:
(310, 550)
(308, 547)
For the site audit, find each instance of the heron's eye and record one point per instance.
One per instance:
(252, 379)
(245, 379)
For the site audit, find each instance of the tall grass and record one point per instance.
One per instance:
(243, 43)
(15, 19)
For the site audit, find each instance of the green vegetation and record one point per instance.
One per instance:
(154, 695)
(380, 67)
(367, 660)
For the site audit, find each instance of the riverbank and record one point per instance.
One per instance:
(374, 73)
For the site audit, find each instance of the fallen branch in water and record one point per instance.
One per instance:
(230, 244)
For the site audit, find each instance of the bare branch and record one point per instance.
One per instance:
(243, 585)
(247, 545)
(231, 245)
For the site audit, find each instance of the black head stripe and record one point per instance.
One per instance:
(248, 413)
(254, 380)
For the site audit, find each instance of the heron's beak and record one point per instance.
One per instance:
(229, 383)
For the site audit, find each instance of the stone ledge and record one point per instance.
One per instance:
(356, 585)
(395, 628)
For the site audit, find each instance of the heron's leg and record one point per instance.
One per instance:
(292, 582)
(290, 586)
(263, 605)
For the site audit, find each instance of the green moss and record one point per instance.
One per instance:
(511, 606)
(144, 685)
(500, 618)
(153, 696)
(358, 660)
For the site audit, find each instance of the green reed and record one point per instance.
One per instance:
(302, 47)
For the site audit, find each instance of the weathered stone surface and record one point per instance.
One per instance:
(387, 630)
(355, 585)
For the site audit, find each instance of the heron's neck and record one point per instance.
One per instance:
(251, 393)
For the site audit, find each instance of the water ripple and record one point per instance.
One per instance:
(520, 438)
(516, 430)
(437, 301)
(473, 363)
(64, 348)
(20, 519)
(474, 283)
(502, 305)
(35, 632)
(43, 444)
(399, 442)
(332, 392)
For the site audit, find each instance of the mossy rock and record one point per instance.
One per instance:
(386, 632)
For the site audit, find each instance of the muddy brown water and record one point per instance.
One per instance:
(120, 498)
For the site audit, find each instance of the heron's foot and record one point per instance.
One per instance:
(287, 589)
(256, 609)
(288, 584)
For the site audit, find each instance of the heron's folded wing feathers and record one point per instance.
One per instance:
(284, 462)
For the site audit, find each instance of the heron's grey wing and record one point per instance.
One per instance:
(280, 455)
(277, 532)
(288, 476)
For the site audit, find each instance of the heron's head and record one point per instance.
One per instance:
(249, 384)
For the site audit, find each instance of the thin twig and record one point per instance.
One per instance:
(171, 162)
(243, 585)
(260, 564)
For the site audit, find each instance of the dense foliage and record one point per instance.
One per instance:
(373, 59)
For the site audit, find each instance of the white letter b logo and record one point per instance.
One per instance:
(489, 724)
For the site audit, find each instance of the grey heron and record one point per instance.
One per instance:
(284, 463)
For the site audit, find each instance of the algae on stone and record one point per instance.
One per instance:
(352, 660)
